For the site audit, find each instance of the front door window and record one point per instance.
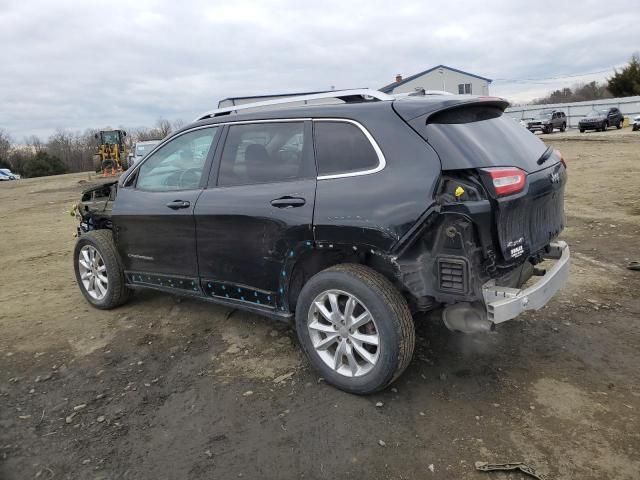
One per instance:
(179, 164)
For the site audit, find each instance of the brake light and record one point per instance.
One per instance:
(559, 153)
(507, 180)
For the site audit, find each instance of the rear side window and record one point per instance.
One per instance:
(342, 147)
(264, 153)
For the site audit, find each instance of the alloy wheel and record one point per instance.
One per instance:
(93, 272)
(343, 332)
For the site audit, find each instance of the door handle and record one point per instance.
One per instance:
(288, 202)
(178, 204)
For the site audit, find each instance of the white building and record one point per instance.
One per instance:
(440, 77)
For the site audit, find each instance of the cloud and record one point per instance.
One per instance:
(77, 65)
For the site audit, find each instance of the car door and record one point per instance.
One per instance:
(152, 217)
(256, 216)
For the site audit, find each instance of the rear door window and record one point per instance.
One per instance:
(342, 148)
(265, 153)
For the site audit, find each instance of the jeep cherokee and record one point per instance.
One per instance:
(601, 119)
(547, 121)
(346, 219)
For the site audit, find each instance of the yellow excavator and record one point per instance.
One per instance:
(110, 155)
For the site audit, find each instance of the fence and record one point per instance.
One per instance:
(629, 106)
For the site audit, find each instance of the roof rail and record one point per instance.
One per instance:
(348, 96)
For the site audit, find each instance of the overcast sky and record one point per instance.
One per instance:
(89, 64)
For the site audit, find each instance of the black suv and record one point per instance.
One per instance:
(601, 119)
(547, 121)
(348, 218)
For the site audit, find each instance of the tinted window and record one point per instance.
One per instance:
(341, 148)
(264, 153)
(478, 136)
(178, 165)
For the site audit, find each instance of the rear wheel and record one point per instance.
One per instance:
(563, 127)
(582, 130)
(355, 327)
(98, 270)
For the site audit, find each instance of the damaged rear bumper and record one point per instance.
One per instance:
(504, 303)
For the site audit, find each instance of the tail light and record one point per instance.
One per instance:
(506, 180)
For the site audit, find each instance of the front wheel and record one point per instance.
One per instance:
(619, 124)
(604, 126)
(98, 270)
(355, 327)
(563, 127)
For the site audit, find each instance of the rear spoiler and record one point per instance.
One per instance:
(413, 108)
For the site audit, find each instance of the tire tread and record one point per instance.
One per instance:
(119, 293)
(394, 299)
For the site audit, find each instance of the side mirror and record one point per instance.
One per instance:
(96, 136)
(124, 134)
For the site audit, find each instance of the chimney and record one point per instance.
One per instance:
(398, 78)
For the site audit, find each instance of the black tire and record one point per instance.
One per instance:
(604, 126)
(563, 127)
(108, 165)
(549, 129)
(393, 322)
(619, 124)
(582, 130)
(117, 293)
(634, 128)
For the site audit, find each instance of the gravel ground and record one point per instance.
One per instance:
(170, 389)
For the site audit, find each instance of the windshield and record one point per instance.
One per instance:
(110, 138)
(545, 114)
(597, 113)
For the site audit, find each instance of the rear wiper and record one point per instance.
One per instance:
(545, 156)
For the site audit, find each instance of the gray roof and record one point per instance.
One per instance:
(391, 86)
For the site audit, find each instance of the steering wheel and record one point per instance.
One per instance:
(185, 181)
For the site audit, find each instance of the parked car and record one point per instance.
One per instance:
(636, 123)
(547, 121)
(140, 150)
(601, 119)
(343, 218)
(9, 174)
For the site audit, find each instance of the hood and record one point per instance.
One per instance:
(597, 118)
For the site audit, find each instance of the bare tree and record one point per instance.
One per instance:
(178, 124)
(35, 143)
(164, 127)
(5, 146)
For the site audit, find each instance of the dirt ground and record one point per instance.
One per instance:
(169, 389)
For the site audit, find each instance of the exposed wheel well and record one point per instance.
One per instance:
(320, 259)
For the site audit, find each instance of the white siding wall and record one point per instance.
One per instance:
(629, 106)
(433, 81)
